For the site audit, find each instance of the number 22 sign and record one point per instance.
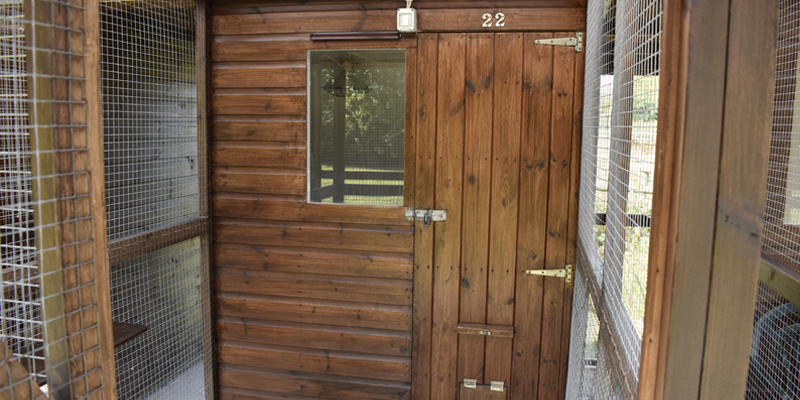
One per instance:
(488, 20)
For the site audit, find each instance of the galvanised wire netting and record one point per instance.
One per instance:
(775, 350)
(154, 114)
(618, 162)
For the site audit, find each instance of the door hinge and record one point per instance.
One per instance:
(426, 216)
(576, 42)
(565, 272)
(470, 383)
(498, 386)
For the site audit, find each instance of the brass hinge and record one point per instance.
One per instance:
(470, 383)
(565, 273)
(426, 216)
(576, 42)
(498, 386)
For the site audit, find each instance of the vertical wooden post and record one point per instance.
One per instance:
(715, 112)
(94, 103)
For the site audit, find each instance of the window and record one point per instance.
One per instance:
(356, 122)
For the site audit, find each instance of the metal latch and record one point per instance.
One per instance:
(576, 42)
(565, 273)
(470, 383)
(426, 216)
(485, 333)
(498, 386)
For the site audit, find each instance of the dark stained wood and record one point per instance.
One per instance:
(288, 155)
(255, 6)
(282, 209)
(476, 329)
(289, 47)
(314, 235)
(312, 385)
(534, 182)
(248, 75)
(505, 201)
(125, 332)
(477, 189)
(312, 261)
(346, 314)
(370, 341)
(305, 360)
(482, 392)
(427, 79)
(368, 20)
(278, 128)
(557, 218)
(129, 247)
(450, 119)
(410, 149)
(258, 180)
(259, 101)
(322, 287)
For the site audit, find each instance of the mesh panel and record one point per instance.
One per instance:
(155, 152)
(357, 126)
(775, 351)
(618, 162)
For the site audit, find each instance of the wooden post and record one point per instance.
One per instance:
(717, 78)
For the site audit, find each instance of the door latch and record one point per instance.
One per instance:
(426, 216)
(565, 273)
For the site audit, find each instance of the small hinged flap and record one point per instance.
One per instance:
(576, 42)
(498, 386)
(470, 383)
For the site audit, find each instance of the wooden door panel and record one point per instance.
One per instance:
(499, 159)
(532, 231)
(477, 190)
(447, 250)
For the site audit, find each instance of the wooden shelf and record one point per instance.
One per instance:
(125, 332)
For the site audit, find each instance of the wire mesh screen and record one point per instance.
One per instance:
(775, 351)
(48, 314)
(357, 126)
(155, 154)
(618, 162)
(782, 221)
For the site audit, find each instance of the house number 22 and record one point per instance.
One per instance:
(487, 20)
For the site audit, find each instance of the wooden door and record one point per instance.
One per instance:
(497, 145)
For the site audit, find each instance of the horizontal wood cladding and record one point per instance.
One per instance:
(312, 261)
(265, 75)
(258, 6)
(303, 359)
(288, 47)
(272, 208)
(429, 20)
(291, 101)
(319, 287)
(259, 155)
(335, 313)
(314, 235)
(266, 128)
(258, 180)
(370, 341)
(297, 383)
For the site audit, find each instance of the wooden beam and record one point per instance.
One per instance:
(715, 114)
(136, 245)
(94, 105)
(783, 280)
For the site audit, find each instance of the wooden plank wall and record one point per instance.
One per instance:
(313, 301)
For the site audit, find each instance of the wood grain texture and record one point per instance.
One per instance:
(258, 180)
(448, 180)
(289, 47)
(534, 183)
(305, 360)
(324, 337)
(302, 260)
(288, 155)
(278, 128)
(557, 218)
(256, 6)
(345, 314)
(427, 79)
(248, 75)
(259, 101)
